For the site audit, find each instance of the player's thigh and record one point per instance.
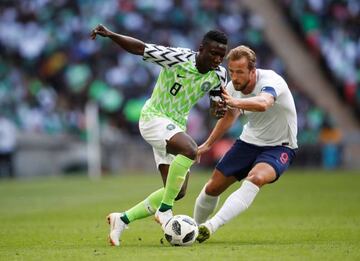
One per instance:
(156, 132)
(239, 160)
(218, 183)
(270, 164)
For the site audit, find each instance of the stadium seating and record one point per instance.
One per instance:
(50, 67)
(330, 29)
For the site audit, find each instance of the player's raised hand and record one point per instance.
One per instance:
(100, 30)
(228, 99)
(220, 109)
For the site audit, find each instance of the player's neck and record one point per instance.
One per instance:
(200, 66)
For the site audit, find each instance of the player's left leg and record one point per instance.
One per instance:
(118, 221)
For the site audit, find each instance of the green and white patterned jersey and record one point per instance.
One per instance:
(179, 85)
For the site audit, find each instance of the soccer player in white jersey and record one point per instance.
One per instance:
(186, 76)
(265, 148)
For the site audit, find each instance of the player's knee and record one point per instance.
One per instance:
(213, 191)
(258, 180)
(190, 151)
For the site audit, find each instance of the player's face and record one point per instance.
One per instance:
(239, 73)
(211, 55)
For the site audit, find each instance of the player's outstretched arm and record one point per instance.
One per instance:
(130, 44)
(259, 103)
(219, 130)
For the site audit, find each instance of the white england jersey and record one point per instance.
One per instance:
(278, 124)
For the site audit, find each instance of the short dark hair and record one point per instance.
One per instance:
(215, 35)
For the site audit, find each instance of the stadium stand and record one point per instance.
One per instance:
(331, 30)
(50, 68)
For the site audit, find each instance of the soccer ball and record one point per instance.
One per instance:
(181, 230)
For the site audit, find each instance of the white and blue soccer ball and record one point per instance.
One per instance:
(181, 230)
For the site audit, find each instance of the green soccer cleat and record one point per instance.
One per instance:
(204, 233)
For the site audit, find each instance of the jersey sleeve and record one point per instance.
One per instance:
(221, 73)
(270, 90)
(271, 83)
(215, 93)
(166, 56)
(273, 88)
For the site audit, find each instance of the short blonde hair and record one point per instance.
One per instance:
(243, 51)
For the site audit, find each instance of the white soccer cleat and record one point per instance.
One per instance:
(117, 226)
(205, 231)
(163, 217)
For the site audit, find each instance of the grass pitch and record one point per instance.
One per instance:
(304, 216)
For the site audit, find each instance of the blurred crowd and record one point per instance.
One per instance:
(331, 28)
(50, 69)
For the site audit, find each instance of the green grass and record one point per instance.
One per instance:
(304, 216)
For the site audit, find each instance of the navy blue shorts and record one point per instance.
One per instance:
(242, 156)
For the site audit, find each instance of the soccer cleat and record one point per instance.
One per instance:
(204, 232)
(163, 217)
(117, 226)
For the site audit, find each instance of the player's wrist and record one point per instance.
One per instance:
(238, 103)
(208, 144)
(110, 34)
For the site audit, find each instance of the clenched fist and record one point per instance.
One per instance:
(100, 30)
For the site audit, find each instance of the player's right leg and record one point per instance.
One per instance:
(204, 232)
(235, 204)
(207, 201)
(168, 140)
(185, 149)
(234, 166)
(163, 218)
(151, 132)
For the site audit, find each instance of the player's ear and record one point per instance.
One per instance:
(201, 47)
(253, 72)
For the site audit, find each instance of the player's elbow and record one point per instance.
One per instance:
(263, 105)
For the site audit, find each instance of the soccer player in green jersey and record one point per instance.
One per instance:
(186, 76)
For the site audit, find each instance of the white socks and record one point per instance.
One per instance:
(236, 203)
(204, 206)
